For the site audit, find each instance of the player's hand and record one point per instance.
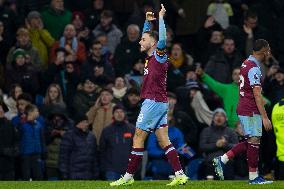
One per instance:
(267, 124)
(162, 11)
(199, 71)
(150, 16)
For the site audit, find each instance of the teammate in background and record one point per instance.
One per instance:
(153, 113)
(251, 113)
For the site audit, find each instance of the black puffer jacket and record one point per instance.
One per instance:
(78, 155)
(115, 146)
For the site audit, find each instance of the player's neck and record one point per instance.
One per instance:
(151, 51)
(257, 57)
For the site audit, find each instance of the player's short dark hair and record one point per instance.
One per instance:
(250, 14)
(153, 34)
(29, 108)
(259, 44)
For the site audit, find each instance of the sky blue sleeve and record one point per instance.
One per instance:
(254, 76)
(160, 53)
(147, 26)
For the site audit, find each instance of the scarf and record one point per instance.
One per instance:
(177, 63)
(119, 93)
(202, 111)
(74, 43)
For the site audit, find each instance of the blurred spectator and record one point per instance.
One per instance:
(179, 65)
(22, 72)
(135, 76)
(250, 31)
(160, 167)
(85, 98)
(78, 152)
(189, 21)
(93, 14)
(103, 39)
(183, 122)
(25, 6)
(221, 11)
(22, 101)
(96, 58)
(119, 89)
(24, 42)
(111, 30)
(224, 61)
(74, 48)
(57, 124)
(9, 19)
(55, 17)
(40, 37)
(101, 78)
(32, 144)
(229, 93)
(53, 97)
(132, 105)
(277, 121)
(82, 32)
(128, 51)
(11, 100)
(215, 140)
(138, 16)
(63, 72)
(116, 144)
(100, 114)
(9, 147)
(209, 40)
(274, 84)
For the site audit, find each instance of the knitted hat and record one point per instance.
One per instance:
(220, 110)
(191, 84)
(33, 14)
(18, 52)
(79, 118)
(118, 107)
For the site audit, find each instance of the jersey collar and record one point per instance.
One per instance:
(253, 59)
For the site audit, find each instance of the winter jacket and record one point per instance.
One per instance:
(224, 65)
(83, 101)
(9, 145)
(115, 146)
(209, 137)
(42, 41)
(55, 22)
(78, 155)
(100, 118)
(26, 75)
(126, 54)
(32, 138)
(229, 94)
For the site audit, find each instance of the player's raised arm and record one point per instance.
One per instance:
(160, 53)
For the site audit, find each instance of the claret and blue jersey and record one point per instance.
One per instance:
(154, 109)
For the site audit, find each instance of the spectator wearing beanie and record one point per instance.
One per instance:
(216, 140)
(100, 114)
(55, 17)
(78, 152)
(116, 144)
(22, 72)
(40, 37)
(24, 42)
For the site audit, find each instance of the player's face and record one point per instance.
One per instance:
(266, 55)
(236, 75)
(119, 115)
(146, 42)
(219, 119)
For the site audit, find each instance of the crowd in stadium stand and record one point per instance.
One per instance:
(70, 77)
